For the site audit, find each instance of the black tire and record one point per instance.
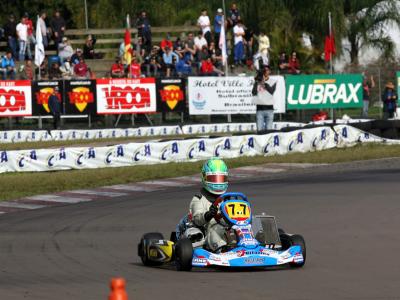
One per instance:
(298, 240)
(183, 255)
(142, 249)
(281, 231)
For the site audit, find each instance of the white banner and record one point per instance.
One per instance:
(126, 96)
(15, 98)
(171, 151)
(228, 95)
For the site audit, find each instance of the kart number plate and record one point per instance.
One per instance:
(238, 211)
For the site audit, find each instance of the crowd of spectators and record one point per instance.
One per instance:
(193, 53)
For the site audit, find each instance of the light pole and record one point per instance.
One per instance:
(86, 16)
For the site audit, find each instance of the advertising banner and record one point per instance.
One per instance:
(80, 97)
(171, 95)
(126, 96)
(15, 98)
(41, 91)
(324, 91)
(228, 95)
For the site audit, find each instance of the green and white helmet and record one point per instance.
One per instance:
(214, 176)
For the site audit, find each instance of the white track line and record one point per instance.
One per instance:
(261, 169)
(161, 183)
(133, 188)
(98, 193)
(20, 205)
(58, 199)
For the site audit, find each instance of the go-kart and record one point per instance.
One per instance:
(253, 241)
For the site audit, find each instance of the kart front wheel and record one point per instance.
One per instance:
(142, 252)
(298, 240)
(183, 255)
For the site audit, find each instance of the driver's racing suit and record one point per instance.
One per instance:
(214, 232)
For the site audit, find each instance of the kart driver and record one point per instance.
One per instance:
(214, 177)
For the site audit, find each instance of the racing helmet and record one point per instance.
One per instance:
(214, 176)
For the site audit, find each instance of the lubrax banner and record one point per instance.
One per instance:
(324, 91)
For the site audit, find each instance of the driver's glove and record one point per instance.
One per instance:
(211, 213)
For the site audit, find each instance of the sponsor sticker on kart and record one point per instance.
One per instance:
(199, 261)
(254, 260)
(298, 258)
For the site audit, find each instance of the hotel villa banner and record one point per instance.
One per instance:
(15, 98)
(126, 96)
(229, 95)
(324, 91)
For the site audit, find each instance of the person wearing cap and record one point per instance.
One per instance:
(57, 25)
(22, 33)
(263, 97)
(76, 56)
(10, 34)
(65, 49)
(218, 23)
(55, 107)
(389, 99)
(205, 25)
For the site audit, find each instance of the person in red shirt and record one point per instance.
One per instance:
(81, 69)
(207, 68)
(134, 69)
(294, 64)
(31, 39)
(166, 43)
(117, 69)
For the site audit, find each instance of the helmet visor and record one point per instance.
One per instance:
(217, 178)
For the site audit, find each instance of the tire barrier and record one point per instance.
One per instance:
(156, 152)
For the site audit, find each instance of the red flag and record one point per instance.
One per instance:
(127, 40)
(330, 48)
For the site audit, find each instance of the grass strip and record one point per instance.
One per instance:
(16, 185)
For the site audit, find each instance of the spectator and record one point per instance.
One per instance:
(215, 54)
(7, 66)
(65, 50)
(218, 23)
(135, 68)
(144, 30)
(67, 71)
(31, 39)
(57, 27)
(55, 108)
(118, 69)
(166, 43)
(208, 69)
(76, 56)
(81, 69)
(263, 92)
(184, 67)
(22, 33)
(367, 86)
(44, 69)
(263, 41)
(190, 49)
(294, 64)
(249, 42)
(140, 50)
(204, 23)
(27, 71)
(88, 48)
(389, 99)
(283, 63)
(10, 33)
(238, 32)
(261, 59)
(43, 29)
(152, 64)
(199, 43)
(55, 72)
(233, 16)
(169, 59)
(179, 48)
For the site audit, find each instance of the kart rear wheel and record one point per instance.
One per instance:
(142, 248)
(298, 240)
(183, 255)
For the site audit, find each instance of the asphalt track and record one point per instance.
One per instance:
(348, 215)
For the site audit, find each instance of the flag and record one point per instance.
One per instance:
(222, 42)
(39, 47)
(330, 48)
(127, 42)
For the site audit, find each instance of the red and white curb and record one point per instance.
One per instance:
(122, 190)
